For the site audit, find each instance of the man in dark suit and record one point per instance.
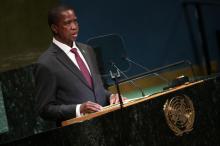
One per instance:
(68, 83)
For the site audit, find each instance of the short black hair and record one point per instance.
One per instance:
(53, 14)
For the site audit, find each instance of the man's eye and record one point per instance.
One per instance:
(68, 22)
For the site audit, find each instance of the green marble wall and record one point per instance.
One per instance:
(19, 99)
(3, 118)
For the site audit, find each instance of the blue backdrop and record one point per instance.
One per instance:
(155, 32)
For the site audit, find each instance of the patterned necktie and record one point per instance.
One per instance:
(82, 67)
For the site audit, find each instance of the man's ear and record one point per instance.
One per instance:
(54, 28)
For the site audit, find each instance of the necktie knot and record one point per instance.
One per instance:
(74, 50)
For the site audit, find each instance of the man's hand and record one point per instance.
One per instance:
(114, 98)
(89, 107)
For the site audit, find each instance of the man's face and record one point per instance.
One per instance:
(66, 29)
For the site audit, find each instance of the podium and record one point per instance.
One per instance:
(127, 104)
(184, 115)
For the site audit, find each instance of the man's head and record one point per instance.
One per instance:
(63, 23)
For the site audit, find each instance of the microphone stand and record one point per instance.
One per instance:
(115, 77)
(131, 82)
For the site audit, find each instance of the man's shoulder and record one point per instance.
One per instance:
(82, 45)
(48, 55)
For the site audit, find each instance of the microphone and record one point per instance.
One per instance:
(145, 68)
(129, 81)
(115, 77)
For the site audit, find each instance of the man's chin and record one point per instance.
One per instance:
(74, 37)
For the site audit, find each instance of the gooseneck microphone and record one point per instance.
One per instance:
(130, 81)
(145, 68)
(115, 77)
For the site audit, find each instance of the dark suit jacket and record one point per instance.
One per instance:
(60, 85)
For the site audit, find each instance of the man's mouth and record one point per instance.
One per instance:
(75, 35)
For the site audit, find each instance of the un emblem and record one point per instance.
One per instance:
(180, 114)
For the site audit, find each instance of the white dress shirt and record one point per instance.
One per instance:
(66, 49)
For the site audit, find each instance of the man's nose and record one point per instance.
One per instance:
(74, 25)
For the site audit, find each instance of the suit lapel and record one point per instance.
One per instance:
(64, 59)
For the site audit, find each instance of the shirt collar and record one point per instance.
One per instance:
(63, 46)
